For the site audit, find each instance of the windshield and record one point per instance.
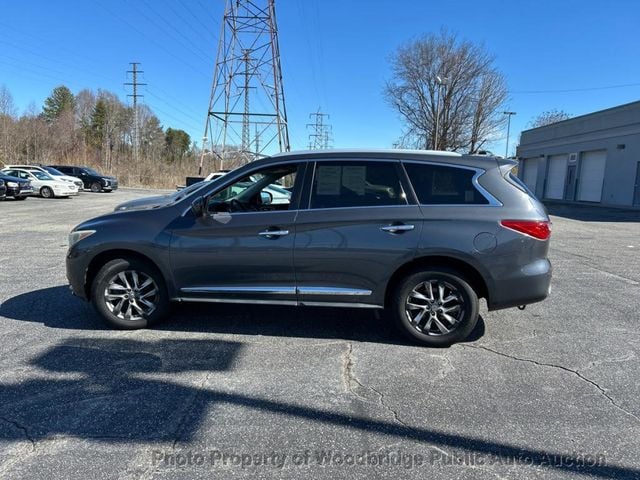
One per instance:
(40, 175)
(53, 171)
(91, 171)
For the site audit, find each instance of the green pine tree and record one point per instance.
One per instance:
(60, 101)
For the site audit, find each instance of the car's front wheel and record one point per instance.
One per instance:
(130, 294)
(46, 192)
(96, 187)
(435, 307)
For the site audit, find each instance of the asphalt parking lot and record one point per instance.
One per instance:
(233, 391)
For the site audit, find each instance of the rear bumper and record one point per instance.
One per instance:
(529, 284)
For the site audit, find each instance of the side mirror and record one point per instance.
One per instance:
(197, 207)
(266, 198)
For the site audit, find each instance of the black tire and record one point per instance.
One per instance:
(96, 187)
(106, 275)
(455, 285)
(46, 192)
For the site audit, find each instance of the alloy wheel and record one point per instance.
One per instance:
(131, 295)
(435, 307)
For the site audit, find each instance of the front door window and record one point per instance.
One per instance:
(267, 190)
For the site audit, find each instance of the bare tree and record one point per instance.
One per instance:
(549, 117)
(91, 128)
(447, 92)
(7, 114)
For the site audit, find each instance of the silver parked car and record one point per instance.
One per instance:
(423, 235)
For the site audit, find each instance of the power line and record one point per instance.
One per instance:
(570, 90)
(191, 47)
(150, 38)
(186, 8)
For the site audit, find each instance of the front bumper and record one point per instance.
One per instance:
(76, 267)
(18, 192)
(65, 193)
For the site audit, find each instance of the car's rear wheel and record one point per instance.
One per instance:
(46, 192)
(96, 187)
(130, 294)
(435, 307)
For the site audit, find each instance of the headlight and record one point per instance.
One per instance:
(106, 181)
(12, 184)
(76, 236)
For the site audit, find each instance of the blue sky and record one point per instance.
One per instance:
(334, 55)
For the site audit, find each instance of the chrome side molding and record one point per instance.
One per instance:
(267, 290)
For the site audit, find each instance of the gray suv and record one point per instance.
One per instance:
(423, 235)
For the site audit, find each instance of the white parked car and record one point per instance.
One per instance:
(43, 184)
(52, 172)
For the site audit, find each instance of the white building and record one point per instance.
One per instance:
(593, 158)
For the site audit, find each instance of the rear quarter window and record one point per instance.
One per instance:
(442, 185)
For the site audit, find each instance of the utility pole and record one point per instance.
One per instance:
(319, 138)
(508, 114)
(136, 127)
(440, 82)
(247, 89)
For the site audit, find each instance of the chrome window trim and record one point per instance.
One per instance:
(493, 201)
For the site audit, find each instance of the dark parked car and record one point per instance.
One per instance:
(3, 190)
(423, 235)
(92, 180)
(16, 187)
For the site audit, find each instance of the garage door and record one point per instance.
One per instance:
(556, 175)
(591, 176)
(530, 173)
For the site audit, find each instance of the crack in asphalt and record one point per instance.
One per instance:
(602, 391)
(350, 379)
(589, 264)
(23, 429)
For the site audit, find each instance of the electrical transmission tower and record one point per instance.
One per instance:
(321, 131)
(247, 116)
(135, 95)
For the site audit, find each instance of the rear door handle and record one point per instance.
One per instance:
(397, 228)
(274, 233)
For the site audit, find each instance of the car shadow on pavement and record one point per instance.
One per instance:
(119, 391)
(55, 307)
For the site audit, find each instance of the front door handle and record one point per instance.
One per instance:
(274, 233)
(398, 228)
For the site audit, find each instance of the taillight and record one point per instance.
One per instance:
(534, 228)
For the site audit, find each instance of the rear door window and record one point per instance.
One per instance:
(341, 184)
(443, 185)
